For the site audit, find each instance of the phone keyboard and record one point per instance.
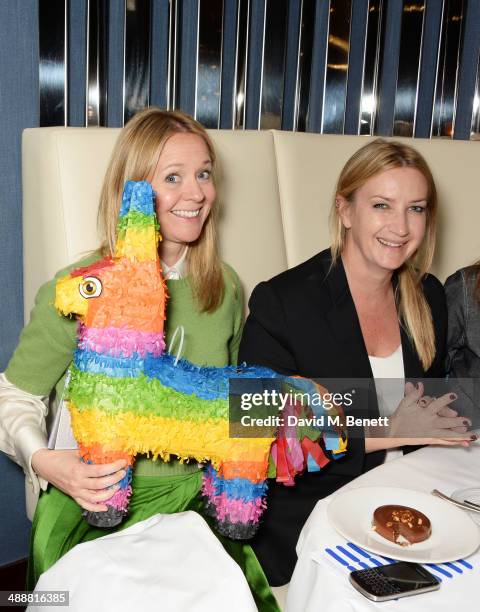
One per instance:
(378, 583)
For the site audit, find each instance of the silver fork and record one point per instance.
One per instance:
(465, 505)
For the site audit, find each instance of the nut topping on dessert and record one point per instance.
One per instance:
(401, 524)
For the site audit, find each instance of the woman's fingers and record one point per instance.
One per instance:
(449, 434)
(100, 476)
(409, 387)
(444, 442)
(412, 394)
(86, 505)
(105, 481)
(451, 422)
(446, 418)
(104, 469)
(441, 402)
(446, 411)
(95, 483)
(459, 429)
(95, 499)
(98, 470)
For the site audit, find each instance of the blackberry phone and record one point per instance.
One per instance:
(400, 579)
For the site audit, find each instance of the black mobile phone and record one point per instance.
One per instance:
(393, 581)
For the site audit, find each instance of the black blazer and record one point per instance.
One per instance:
(304, 322)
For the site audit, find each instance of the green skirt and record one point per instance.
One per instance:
(58, 526)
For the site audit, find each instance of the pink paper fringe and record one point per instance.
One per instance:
(118, 342)
(119, 500)
(235, 510)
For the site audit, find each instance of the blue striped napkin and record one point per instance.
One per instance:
(351, 557)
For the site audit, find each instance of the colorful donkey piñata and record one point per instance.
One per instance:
(127, 395)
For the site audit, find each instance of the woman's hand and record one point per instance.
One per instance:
(423, 417)
(423, 420)
(86, 483)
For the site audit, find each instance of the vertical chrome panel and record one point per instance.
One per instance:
(159, 53)
(368, 102)
(408, 67)
(209, 62)
(136, 87)
(52, 15)
(173, 55)
(96, 95)
(304, 64)
(273, 69)
(475, 130)
(336, 68)
(443, 116)
(241, 64)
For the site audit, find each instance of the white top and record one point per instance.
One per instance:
(389, 376)
(176, 271)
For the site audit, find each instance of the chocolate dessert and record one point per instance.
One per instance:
(401, 524)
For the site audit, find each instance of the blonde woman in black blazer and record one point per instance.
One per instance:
(367, 295)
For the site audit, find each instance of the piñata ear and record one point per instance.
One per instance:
(137, 231)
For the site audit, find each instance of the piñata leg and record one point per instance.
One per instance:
(118, 503)
(235, 504)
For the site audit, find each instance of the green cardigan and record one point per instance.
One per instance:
(47, 343)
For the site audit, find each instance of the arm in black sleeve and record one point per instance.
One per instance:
(461, 357)
(435, 295)
(265, 334)
(456, 339)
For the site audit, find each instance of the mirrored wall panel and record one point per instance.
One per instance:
(53, 62)
(285, 61)
(336, 68)
(409, 63)
(443, 118)
(209, 62)
(368, 102)
(475, 132)
(96, 94)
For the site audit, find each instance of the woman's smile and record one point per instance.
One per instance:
(186, 214)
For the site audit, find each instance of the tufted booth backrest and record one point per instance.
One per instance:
(275, 190)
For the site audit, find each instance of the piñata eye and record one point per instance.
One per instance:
(90, 287)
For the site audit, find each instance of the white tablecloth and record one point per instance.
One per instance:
(319, 584)
(169, 562)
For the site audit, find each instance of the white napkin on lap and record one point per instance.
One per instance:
(169, 562)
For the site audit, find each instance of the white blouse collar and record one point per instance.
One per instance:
(177, 270)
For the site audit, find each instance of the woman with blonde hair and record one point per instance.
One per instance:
(175, 154)
(366, 308)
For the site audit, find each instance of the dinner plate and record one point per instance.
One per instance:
(454, 534)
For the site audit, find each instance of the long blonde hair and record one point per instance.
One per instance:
(414, 312)
(135, 157)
